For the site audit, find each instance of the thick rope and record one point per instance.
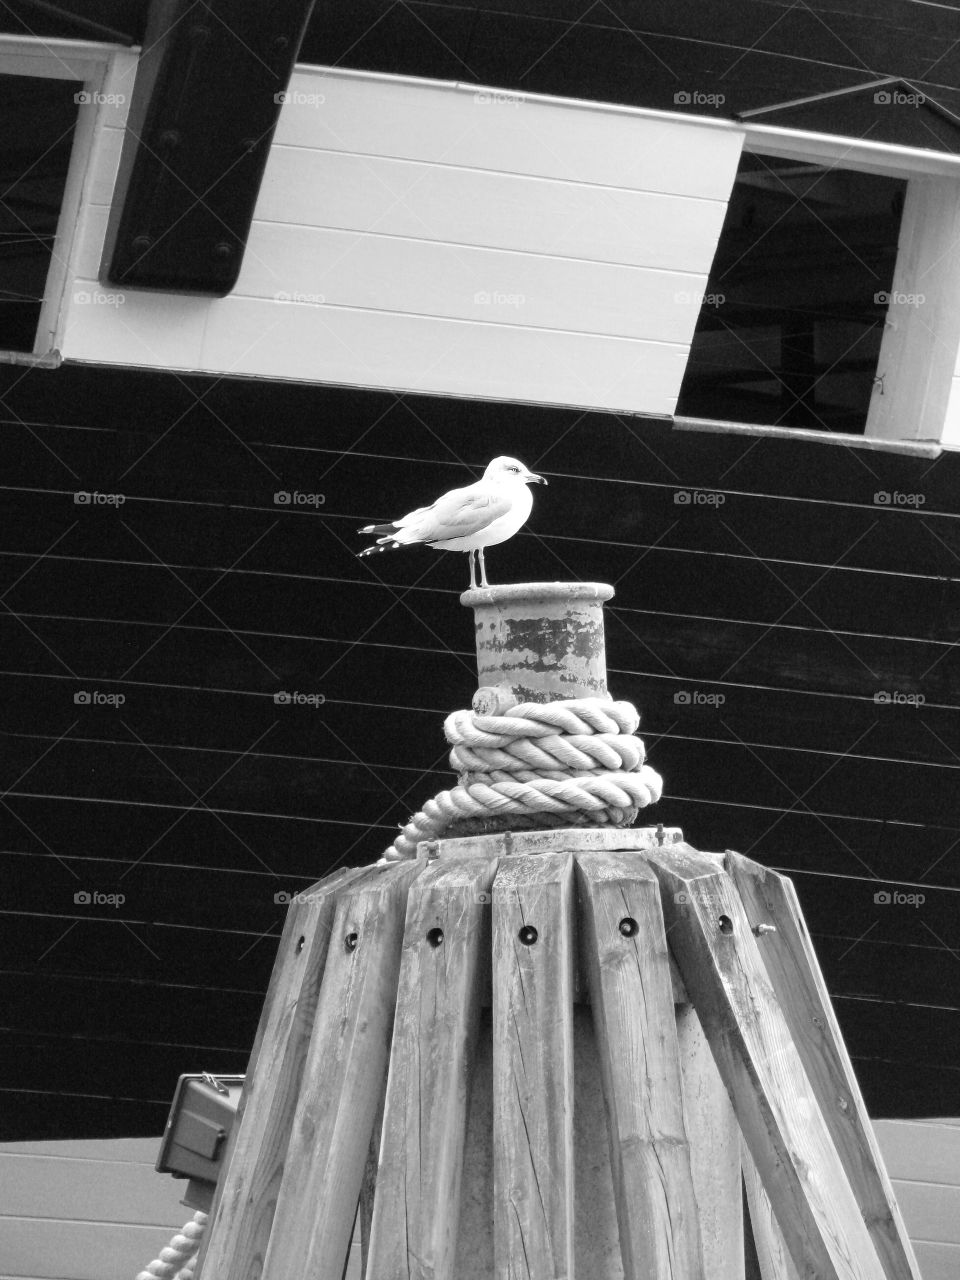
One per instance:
(179, 1259)
(570, 763)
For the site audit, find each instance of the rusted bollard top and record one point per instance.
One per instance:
(538, 642)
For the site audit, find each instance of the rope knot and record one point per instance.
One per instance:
(540, 764)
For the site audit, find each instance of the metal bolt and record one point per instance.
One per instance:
(761, 929)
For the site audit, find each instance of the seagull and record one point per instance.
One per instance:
(469, 519)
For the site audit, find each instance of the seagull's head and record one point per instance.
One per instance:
(511, 470)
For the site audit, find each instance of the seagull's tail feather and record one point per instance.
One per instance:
(387, 529)
(384, 545)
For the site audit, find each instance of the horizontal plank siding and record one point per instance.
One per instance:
(200, 799)
(575, 279)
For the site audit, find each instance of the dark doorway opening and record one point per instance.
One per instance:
(790, 328)
(39, 117)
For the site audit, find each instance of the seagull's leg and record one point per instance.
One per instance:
(473, 579)
(483, 568)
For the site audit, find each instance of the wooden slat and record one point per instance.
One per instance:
(774, 1102)
(714, 1137)
(253, 1167)
(801, 992)
(773, 1255)
(533, 1068)
(631, 995)
(417, 1201)
(343, 1081)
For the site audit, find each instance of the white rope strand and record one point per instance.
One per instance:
(578, 761)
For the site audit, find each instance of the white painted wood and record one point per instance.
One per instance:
(919, 1151)
(939, 1261)
(134, 1150)
(417, 353)
(512, 133)
(482, 286)
(50, 1249)
(94, 1190)
(477, 207)
(537, 250)
(930, 1211)
(921, 338)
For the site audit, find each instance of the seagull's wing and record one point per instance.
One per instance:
(459, 513)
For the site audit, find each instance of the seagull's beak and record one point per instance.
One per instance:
(532, 478)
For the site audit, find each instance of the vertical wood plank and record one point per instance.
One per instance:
(773, 1255)
(774, 1101)
(799, 987)
(714, 1137)
(533, 958)
(631, 996)
(241, 1215)
(417, 1201)
(343, 1080)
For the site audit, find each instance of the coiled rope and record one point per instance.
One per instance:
(179, 1259)
(569, 763)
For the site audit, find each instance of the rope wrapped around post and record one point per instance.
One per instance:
(179, 1259)
(567, 763)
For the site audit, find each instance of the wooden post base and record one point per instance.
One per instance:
(561, 1038)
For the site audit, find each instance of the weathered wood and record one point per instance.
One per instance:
(798, 984)
(574, 839)
(533, 958)
(242, 1212)
(367, 1191)
(343, 1080)
(775, 1104)
(627, 968)
(714, 1137)
(773, 1256)
(417, 1201)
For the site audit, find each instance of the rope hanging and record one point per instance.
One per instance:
(540, 764)
(179, 1259)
